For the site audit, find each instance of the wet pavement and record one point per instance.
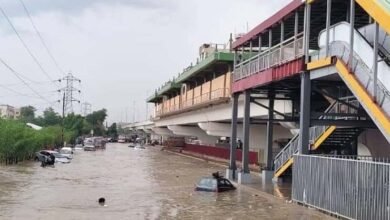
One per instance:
(137, 184)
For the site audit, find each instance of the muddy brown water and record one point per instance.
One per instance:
(137, 184)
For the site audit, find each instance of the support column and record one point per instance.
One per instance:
(281, 41)
(375, 67)
(307, 32)
(304, 119)
(231, 172)
(352, 33)
(244, 175)
(268, 173)
(259, 52)
(269, 47)
(296, 32)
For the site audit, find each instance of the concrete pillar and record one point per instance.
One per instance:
(267, 174)
(270, 126)
(304, 119)
(231, 172)
(244, 175)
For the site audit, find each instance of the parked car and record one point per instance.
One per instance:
(44, 155)
(67, 152)
(121, 140)
(215, 183)
(89, 147)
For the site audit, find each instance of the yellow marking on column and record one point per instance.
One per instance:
(323, 137)
(319, 63)
(284, 167)
(361, 92)
(378, 12)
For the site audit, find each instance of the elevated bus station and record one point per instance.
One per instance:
(307, 90)
(330, 59)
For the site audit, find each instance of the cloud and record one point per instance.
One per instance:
(121, 50)
(14, 7)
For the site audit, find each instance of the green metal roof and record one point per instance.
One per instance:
(217, 56)
(191, 72)
(167, 87)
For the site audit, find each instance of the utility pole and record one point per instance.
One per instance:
(86, 108)
(69, 91)
(63, 119)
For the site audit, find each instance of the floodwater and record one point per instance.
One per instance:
(137, 184)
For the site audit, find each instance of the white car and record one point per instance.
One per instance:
(67, 152)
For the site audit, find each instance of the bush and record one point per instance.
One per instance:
(19, 142)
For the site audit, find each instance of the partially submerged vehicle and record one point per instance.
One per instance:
(67, 152)
(89, 147)
(215, 183)
(99, 142)
(49, 157)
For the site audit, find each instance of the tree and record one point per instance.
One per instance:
(96, 119)
(50, 117)
(27, 113)
(112, 131)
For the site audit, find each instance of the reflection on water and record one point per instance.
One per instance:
(137, 184)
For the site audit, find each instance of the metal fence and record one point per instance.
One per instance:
(284, 52)
(350, 187)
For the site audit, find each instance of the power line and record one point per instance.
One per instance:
(41, 38)
(24, 82)
(24, 44)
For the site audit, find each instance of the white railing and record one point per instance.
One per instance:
(286, 51)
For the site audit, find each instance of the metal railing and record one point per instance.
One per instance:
(362, 72)
(197, 100)
(286, 51)
(315, 132)
(349, 188)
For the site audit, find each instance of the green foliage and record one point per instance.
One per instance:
(112, 131)
(96, 119)
(19, 142)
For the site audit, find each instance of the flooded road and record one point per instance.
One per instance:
(137, 184)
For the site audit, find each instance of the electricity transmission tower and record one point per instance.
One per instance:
(86, 108)
(69, 93)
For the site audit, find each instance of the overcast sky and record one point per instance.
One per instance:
(122, 50)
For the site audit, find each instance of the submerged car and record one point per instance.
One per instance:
(215, 183)
(67, 152)
(44, 156)
(89, 148)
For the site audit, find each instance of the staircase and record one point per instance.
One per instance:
(319, 136)
(358, 75)
(383, 40)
